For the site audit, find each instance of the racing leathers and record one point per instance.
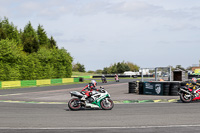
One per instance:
(87, 91)
(116, 77)
(195, 87)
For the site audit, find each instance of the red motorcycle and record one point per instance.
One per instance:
(117, 79)
(188, 94)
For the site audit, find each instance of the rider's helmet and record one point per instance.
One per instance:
(194, 80)
(94, 82)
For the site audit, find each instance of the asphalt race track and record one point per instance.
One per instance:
(49, 117)
(150, 117)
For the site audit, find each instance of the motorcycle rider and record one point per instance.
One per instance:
(87, 90)
(195, 88)
(103, 78)
(116, 77)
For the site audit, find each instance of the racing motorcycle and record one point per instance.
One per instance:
(104, 80)
(187, 95)
(117, 79)
(96, 100)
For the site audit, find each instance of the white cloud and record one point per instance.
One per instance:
(134, 8)
(30, 6)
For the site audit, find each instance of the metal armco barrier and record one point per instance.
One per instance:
(123, 76)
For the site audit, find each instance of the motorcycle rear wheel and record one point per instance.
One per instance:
(107, 106)
(73, 105)
(185, 99)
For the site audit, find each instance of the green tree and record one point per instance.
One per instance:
(113, 68)
(2, 32)
(56, 63)
(10, 59)
(9, 31)
(81, 68)
(78, 67)
(42, 37)
(52, 43)
(30, 39)
(30, 68)
(74, 67)
(46, 64)
(35, 59)
(90, 71)
(120, 67)
(99, 71)
(106, 70)
(132, 66)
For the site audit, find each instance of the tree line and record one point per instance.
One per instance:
(119, 67)
(29, 54)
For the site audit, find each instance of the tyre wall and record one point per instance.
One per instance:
(161, 88)
(132, 87)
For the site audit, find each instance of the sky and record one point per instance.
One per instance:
(99, 33)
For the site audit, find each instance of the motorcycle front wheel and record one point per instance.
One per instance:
(74, 105)
(107, 104)
(184, 98)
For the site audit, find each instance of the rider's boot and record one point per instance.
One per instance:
(84, 98)
(193, 91)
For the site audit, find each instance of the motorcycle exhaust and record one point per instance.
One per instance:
(185, 91)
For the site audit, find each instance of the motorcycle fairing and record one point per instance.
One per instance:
(98, 101)
(76, 93)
